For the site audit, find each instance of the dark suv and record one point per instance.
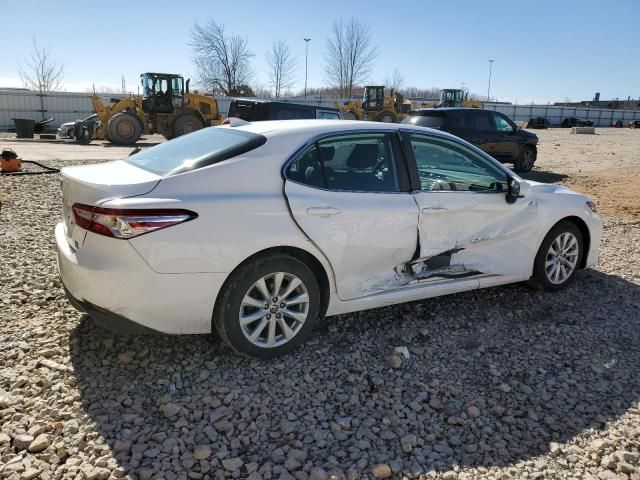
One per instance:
(575, 122)
(490, 131)
(257, 110)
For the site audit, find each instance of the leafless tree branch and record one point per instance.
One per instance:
(41, 72)
(350, 55)
(395, 81)
(282, 65)
(222, 62)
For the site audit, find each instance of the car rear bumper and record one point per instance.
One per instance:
(109, 280)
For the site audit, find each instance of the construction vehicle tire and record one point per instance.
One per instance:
(124, 129)
(78, 130)
(186, 124)
(350, 115)
(387, 117)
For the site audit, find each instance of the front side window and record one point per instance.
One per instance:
(502, 124)
(446, 165)
(356, 162)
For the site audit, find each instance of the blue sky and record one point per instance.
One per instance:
(544, 50)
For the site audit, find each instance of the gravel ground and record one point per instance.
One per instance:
(500, 383)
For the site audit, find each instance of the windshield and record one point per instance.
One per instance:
(196, 150)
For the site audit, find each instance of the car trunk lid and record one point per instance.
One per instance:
(96, 184)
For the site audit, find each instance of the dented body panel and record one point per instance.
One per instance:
(486, 234)
(363, 235)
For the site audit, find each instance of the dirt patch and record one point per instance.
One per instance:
(616, 191)
(605, 166)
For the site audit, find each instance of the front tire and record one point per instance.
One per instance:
(387, 117)
(124, 129)
(559, 257)
(268, 306)
(525, 160)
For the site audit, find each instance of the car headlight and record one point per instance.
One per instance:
(592, 206)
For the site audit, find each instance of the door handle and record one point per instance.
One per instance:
(324, 212)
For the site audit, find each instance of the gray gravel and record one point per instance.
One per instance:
(500, 383)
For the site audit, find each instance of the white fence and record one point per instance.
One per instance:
(68, 107)
(63, 106)
(555, 114)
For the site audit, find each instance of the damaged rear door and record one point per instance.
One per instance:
(466, 227)
(349, 193)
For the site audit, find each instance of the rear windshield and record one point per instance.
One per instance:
(431, 121)
(196, 150)
(248, 111)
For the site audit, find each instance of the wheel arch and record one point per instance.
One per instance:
(309, 259)
(584, 231)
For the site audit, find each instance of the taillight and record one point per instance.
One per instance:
(127, 223)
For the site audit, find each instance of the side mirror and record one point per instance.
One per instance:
(513, 190)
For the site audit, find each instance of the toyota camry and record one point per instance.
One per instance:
(259, 230)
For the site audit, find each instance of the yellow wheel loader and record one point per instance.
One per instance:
(455, 97)
(376, 106)
(165, 107)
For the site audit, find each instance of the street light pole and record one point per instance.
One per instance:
(306, 64)
(489, 87)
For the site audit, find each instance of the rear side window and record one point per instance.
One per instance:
(196, 150)
(480, 120)
(358, 162)
(431, 121)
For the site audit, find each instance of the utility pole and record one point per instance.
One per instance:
(306, 64)
(489, 87)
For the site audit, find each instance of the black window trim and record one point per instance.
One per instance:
(416, 186)
(401, 166)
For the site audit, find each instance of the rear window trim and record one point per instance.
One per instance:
(255, 140)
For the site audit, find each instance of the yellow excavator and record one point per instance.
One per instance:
(165, 107)
(376, 106)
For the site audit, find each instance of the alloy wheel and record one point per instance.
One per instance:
(562, 258)
(274, 309)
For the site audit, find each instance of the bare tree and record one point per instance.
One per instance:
(350, 55)
(41, 72)
(282, 65)
(222, 61)
(416, 92)
(395, 81)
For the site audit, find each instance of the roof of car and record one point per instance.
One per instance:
(446, 109)
(275, 102)
(319, 127)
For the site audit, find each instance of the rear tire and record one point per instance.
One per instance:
(124, 129)
(558, 258)
(186, 124)
(525, 160)
(262, 311)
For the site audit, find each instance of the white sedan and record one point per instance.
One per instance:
(259, 230)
